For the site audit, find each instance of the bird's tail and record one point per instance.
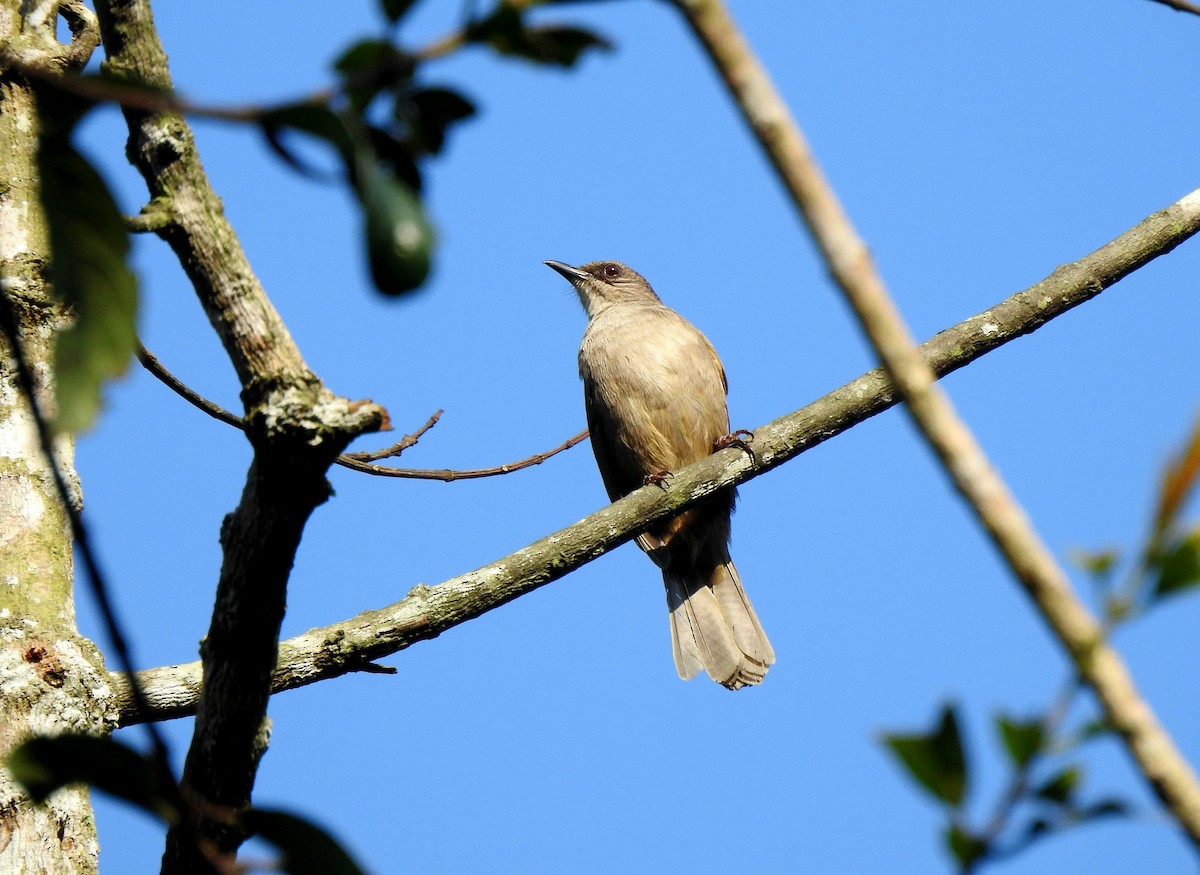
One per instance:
(714, 628)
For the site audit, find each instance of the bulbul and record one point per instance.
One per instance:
(654, 390)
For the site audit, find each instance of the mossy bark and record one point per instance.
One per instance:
(51, 679)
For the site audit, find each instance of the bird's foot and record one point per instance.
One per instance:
(740, 439)
(658, 478)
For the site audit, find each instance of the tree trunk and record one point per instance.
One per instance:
(52, 679)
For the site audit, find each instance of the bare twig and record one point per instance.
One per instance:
(849, 262)
(360, 461)
(447, 475)
(154, 366)
(409, 440)
(429, 611)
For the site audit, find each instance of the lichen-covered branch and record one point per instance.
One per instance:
(852, 269)
(296, 426)
(428, 611)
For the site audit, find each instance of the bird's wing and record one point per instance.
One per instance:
(619, 478)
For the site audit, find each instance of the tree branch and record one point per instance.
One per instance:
(850, 264)
(428, 611)
(296, 426)
(1181, 6)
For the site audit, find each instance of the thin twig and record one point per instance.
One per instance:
(1049, 723)
(154, 366)
(428, 611)
(849, 262)
(355, 461)
(409, 440)
(446, 475)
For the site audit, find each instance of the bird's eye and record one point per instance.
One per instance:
(612, 271)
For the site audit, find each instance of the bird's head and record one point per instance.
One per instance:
(600, 284)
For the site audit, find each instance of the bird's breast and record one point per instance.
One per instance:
(654, 384)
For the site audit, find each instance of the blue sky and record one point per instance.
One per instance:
(976, 147)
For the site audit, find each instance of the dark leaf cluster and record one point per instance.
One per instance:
(1045, 793)
(507, 32)
(44, 764)
(1041, 798)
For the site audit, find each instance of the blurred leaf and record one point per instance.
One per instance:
(44, 764)
(394, 10)
(369, 67)
(505, 31)
(398, 235)
(1097, 563)
(313, 119)
(1022, 738)
(1094, 729)
(935, 759)
(396, 154)
(1105, 808)
(371, 55)
(1061, 788)
(429, 112)
(1039, 828)
(1179, 479)
(1179, 567)
(562, 45)
(966, 848)
(307, 849)
(89, 247)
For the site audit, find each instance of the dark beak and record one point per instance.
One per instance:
(573, 274)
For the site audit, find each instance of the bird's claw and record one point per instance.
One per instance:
(658, 478)
(740, 439)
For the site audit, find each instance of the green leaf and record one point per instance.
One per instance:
(89, 247)
(505, 32)
(1179, 568)
(967, 849)
(44, 764)
(1098, 563)
(394, 153)
(1022, 738)
(1096, 728)
(307, 849)
(562, 45)
(1061, 787)
(935, 759)
(371, 66)
(429, 112)
(394, 10)
(313, 119)
(370, 55)
(398, 235)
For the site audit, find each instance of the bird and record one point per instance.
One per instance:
(655, 396)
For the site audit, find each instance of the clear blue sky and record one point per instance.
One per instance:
(976, 146)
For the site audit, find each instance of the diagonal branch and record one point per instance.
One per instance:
(1081, 636)
(428, 611)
